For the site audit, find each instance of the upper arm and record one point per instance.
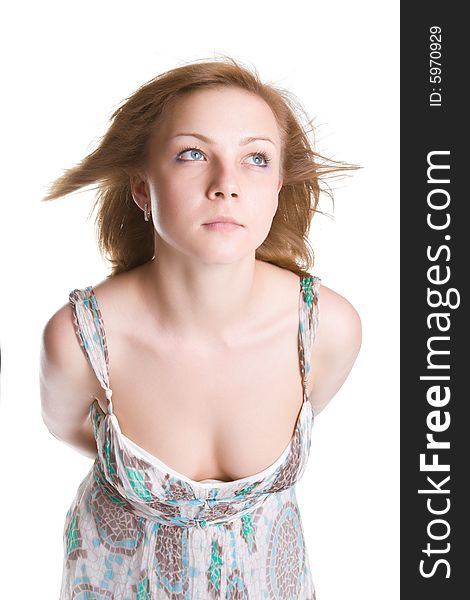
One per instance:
(337, 343)
(67, 381)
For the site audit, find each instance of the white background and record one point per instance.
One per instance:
(66, 66)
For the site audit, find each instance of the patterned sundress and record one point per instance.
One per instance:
(138, 530)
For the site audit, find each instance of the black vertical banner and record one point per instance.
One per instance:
(434, 261)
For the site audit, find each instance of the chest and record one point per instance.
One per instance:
(207, 411)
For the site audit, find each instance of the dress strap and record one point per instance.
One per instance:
(309, 312)
(90, 332)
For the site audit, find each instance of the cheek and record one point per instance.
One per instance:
(271, 210)
(170, 216)
(274, 206)
(267, 212)
(170, 203)
(262, 218)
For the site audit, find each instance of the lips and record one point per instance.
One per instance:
(222, 219)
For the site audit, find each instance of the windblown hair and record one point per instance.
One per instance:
(126, 239)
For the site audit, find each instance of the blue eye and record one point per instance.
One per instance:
(264, 156)
(192, 149)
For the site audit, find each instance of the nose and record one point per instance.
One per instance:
(224, 184)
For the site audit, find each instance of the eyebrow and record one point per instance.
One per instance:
(243, 141)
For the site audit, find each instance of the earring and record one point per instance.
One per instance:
(146, 212)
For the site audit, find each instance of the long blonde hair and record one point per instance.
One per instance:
(126, 239)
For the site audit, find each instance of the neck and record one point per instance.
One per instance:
(202, 301)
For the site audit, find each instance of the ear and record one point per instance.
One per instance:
(139, 189)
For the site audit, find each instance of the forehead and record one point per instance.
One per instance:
(220, 112)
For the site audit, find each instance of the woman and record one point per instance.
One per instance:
(190, 383)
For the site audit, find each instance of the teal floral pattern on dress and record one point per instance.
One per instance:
(136, 479)
(136, 530)
(215, 566)
(248, 529)
(143, 591)
(72, 535)
(307, 284)
(107, 454)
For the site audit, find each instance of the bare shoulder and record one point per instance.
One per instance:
(339, 324)
(337, 343)
(67, 381)
(60, 348)
(279, 283)
(119, 298)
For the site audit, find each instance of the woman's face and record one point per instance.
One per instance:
(207, 161)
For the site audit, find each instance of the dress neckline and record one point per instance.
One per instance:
(303, 303)
(161, 466)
